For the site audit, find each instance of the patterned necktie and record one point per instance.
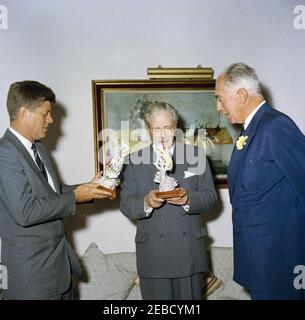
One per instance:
(39, 162)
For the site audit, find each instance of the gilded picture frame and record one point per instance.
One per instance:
(118, 106)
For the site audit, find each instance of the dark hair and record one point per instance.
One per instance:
(27, 94)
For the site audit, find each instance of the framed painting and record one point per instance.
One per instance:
(118, 107)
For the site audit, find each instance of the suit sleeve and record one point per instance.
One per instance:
(287, 147)
(204, 197)
(68, 188)
(24, 207)
(131, 203)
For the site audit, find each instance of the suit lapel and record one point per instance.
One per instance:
(147, 166)
(21, 149)
(238, 156)
(179, 168)
(47, 162)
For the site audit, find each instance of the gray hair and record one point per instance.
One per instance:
(160, 106)
(28, 94)
(240, 75)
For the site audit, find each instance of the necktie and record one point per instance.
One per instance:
(39, 162)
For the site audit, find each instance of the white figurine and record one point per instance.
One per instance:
(113, 169)
(164, 163)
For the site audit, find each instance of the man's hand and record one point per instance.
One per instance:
(182, 200)
(89, 191)
(151, 201)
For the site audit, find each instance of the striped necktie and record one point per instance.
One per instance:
(39, 162)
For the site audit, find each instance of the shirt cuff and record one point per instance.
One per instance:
(148, 211)
(186, 208)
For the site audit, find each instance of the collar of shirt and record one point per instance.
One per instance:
(171, 150)
(252, 114)
(27, 143)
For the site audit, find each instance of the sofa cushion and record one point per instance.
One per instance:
(135, 293)
(125, 259)
(113, 276)
(102, 279)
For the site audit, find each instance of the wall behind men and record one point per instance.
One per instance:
(67, 43)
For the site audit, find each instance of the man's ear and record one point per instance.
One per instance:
(243, 95)
(22, 112)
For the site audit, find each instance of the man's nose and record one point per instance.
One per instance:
(50, 119)
(219, 107)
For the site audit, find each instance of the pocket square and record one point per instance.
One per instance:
(188, 174)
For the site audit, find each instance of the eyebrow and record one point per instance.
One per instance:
(165, 127)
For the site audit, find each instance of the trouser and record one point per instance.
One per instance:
(187, 288)
(68, 295)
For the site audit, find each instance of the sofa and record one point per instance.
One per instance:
(114, 276)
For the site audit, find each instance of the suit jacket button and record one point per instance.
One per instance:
(183, 233)
(161, 236)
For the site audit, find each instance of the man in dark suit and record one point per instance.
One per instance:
(267, 188)
(170, 246)
(33, 203)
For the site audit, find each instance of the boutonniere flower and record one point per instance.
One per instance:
(241, 142)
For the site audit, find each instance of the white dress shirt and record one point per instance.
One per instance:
(28, 145)
(251, 115)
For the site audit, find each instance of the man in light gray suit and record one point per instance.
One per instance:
(170, 248)
(33, 202)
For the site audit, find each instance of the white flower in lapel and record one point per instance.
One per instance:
(241, 142)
